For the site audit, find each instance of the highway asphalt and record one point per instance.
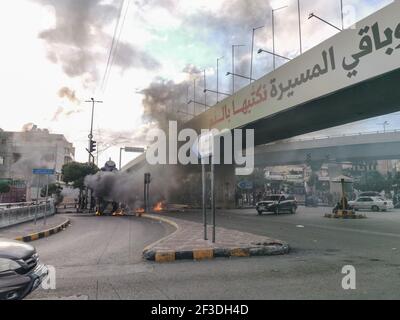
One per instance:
(100, 258)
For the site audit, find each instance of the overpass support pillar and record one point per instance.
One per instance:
(225, 186)
(335, 170)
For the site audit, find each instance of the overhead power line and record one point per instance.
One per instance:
(112, 45)
(117, 43)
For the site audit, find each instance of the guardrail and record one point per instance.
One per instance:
(20, 204)
(15, 215)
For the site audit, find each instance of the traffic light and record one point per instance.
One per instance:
(92, 146)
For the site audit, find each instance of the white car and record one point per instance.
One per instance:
(372, 203)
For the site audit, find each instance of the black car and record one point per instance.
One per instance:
(20, 270)
(277, 204)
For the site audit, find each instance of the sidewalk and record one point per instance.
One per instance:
(29, 228)
(187, 242)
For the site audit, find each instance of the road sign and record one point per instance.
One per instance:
(245, 185)
(43, 171)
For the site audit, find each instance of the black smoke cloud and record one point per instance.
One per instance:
(127, 188)
(78, 43)
(164, 100)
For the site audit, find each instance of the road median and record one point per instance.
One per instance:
(45, 233)
(187, 243)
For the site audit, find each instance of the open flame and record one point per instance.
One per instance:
(139, 211)
(160, 206)
(119, 212)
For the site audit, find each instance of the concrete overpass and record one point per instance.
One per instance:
(366, 146)
(349, 77)
(352, 76)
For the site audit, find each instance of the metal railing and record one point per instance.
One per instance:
(15, 215)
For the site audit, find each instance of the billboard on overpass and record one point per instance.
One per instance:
(369, 49)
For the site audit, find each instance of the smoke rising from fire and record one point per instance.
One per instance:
(66, 92)
(164, 101)
(127, 188)
(79, 44)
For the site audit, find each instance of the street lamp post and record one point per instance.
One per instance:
(385, 124)
(205, 91)
(218, 78)
(252, 51)
(218, 92)
(299, 13)
(233, 65)
(239, 75)
(312, 15)
(120, 157)
(274, 54)
(199, 103)
(341, 13)
(129, 149)
(273, 31)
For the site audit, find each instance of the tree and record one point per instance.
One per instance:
(372, 181)
(4, 187)
(54, 190)
(75, 173)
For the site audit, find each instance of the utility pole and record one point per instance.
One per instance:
(90, 136)
(92, 145)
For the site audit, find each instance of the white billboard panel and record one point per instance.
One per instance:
(370, 49)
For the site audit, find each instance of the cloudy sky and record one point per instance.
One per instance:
(55, 55)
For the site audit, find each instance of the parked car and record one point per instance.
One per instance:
(371, 203)
(277, 204)
(20, 270)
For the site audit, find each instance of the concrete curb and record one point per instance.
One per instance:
(258, 250)
(45, 233)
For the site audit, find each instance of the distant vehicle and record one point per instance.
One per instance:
(312, 201)
(371, 203)
(277, 204)
(20, 269)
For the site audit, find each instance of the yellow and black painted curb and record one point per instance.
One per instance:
(45, 233)
(269, 249)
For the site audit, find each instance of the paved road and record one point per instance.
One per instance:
(99, 258)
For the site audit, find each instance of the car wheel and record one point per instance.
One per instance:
(259, 212)
(375, 208)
